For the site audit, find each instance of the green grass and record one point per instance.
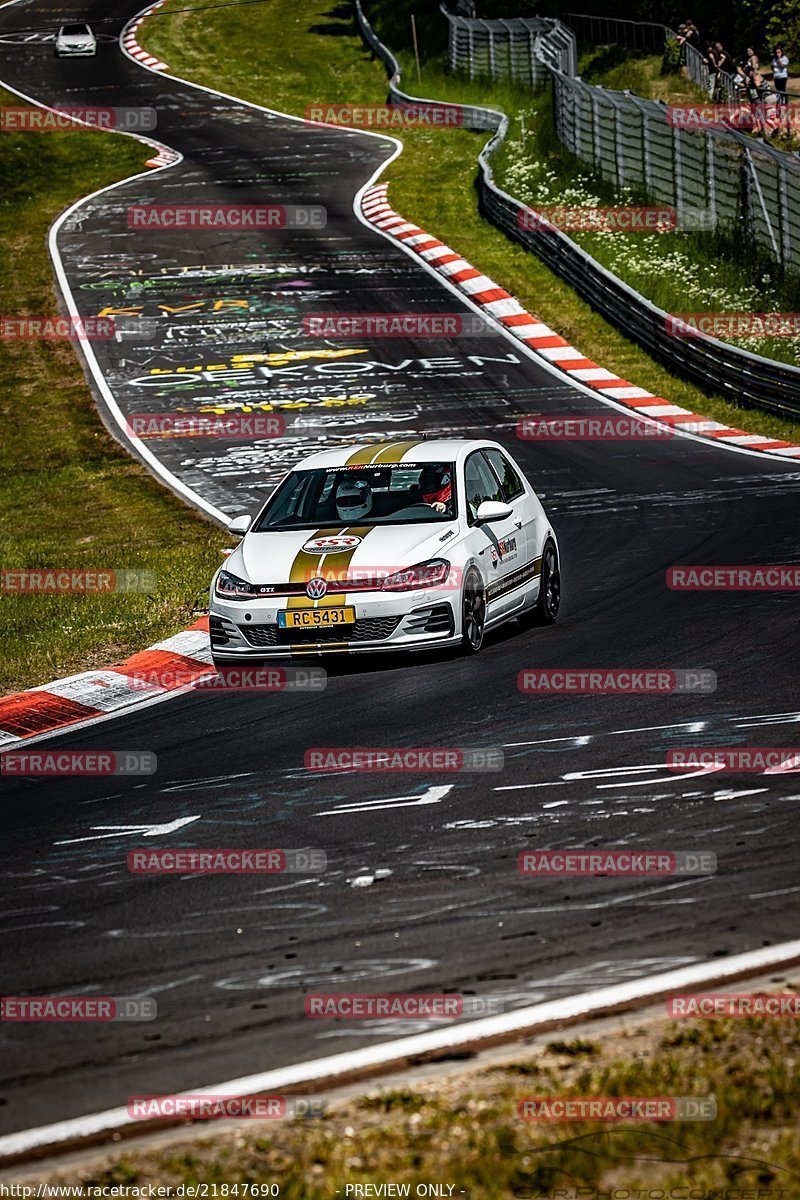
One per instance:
(70, 496)
(464, 1129)
(319, 57)
(616, 68)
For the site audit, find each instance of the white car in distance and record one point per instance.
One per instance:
(75, 41)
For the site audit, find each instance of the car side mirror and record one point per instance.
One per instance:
(240, 525)
(492, 510)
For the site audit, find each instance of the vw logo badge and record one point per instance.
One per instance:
(316, 589)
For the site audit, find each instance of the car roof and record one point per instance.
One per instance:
(379, 453)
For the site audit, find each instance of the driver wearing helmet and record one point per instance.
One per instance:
(436, 487)
(353, 500)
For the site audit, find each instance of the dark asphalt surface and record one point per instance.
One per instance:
(229, 959)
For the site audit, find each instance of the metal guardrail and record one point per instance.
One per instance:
(746, 378)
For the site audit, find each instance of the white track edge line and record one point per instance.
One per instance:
(567, 1008)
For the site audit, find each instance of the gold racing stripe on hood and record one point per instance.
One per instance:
(387, 452)
(393, 453)
(308, 566)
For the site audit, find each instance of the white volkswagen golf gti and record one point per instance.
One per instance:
(388, 546)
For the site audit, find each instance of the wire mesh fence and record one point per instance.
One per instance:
(739, 183)
(519, 50)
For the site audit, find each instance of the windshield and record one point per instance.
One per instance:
(391, 494)
(75, 30)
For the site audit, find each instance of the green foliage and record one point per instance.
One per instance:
(670, 64)
(783, 27)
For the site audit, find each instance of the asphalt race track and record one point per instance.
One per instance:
(421, 891)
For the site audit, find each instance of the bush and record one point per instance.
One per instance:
(670, 64)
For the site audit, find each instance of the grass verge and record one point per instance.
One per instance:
(465, 1129)
(70, 496)
(320, 57)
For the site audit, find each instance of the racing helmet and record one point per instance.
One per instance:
(435, 483)
(353, 499)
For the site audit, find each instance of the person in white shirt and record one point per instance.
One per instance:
(780, 74)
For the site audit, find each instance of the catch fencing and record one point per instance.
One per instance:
(737, 374)
(519, 50)
(740, 183)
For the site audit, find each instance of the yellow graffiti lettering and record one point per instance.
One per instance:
(270, 406)
(219, 304)
(173, 370)
(287, 356)
(119, 312)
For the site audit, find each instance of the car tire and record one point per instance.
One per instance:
(473, 613)
(545, 611)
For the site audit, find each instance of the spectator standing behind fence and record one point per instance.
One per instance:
(725, 65)
(755, 81)
(688, 35)
(724, 60)
(780, 75)
(711, 63)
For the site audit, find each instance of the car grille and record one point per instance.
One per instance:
(371, 629)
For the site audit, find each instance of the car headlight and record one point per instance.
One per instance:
(432, 573)
(231, 587)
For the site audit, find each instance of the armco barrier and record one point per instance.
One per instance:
(746, 378)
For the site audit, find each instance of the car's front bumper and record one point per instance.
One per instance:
(244, 630)
(72, 52)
